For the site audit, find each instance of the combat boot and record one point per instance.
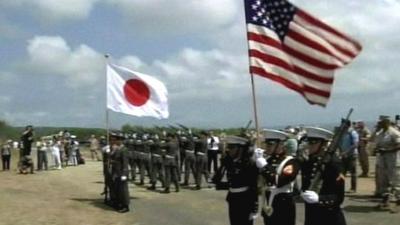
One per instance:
(384, 205)
(395, 207)
(166, 191)
(152, 187)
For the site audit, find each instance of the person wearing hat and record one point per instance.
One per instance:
(94, 147)
(157, 167)
(6, 154)
(27, 139)
(200, 148)
(190, 158)
(364, 136)
(119, 159)
(171, 163)
(322, 202)
(242, 174)
(387, 141)
(279, 172)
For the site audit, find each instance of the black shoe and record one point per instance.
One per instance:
(141, 183)
(151, 187)
(123, 210)
(197, 188)
(185, 184)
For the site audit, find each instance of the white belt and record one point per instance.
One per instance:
(170, 157)
(200, 153)
(156, 155)
(238, 190)
(189, 151)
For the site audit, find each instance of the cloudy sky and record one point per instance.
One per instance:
(52, 69)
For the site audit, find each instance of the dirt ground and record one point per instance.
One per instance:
(71, 196)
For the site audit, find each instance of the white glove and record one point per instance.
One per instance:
(253, 216)
(123, 178)
(258, 153)
(310, 197)
(261, 162)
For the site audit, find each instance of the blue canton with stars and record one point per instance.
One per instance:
(272, 14)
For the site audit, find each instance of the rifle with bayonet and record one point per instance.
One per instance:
(316, 183)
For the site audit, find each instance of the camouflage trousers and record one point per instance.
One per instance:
(388, 174)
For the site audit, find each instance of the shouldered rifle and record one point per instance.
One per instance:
(316, 183)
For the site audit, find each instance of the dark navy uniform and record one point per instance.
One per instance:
(279, 172)
(242, 175)
(326, 208)
(279, 176)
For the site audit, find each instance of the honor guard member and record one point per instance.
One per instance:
(157, 171)
(171, 162)
(201, 159)
(190, 159)
(322, 206)
(119, 159)
(241, 173)
(388, 148)
(279, 171)
(145, 159)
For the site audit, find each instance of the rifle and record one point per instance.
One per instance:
(316, 183)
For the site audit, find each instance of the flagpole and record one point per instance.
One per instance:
(253, 91)
(106, 56)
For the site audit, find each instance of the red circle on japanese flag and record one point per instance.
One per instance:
(136, 92)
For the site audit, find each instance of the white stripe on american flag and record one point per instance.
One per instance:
(313, 53)
(288, 75)
(332, 38)
(312, 36)
(292, 60)
(316, 99)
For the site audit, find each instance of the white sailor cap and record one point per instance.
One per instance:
(73, 136)
(270, 135)
(318, 133)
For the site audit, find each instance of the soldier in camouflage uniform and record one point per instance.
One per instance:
(157, 172)
(201, 159)
(171, 162)
(387, 147)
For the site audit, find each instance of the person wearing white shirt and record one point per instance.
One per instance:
(212, 151)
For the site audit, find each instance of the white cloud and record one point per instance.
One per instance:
(50, 10)
(51, 54)
(177, 16)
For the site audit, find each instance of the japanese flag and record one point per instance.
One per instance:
(135, 93)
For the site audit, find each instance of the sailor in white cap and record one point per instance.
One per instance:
(322, 181)
(279, 172)
(241, 173)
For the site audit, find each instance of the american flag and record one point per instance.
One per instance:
(293, 48)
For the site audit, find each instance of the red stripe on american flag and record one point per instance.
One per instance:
(288, 83)
(294, 69)
(308, 59)
(307, 17)
(264, 40)
(312, 44)
(261, 72)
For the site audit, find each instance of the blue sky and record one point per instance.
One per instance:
(52, 70)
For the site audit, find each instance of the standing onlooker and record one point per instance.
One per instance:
(27, 139)
(74, 146)
(212, 152)
(55, 150)
(6, 155)
(94, 147)
(42, 148)
(387, 146)
(348, 152)
(364, 135)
